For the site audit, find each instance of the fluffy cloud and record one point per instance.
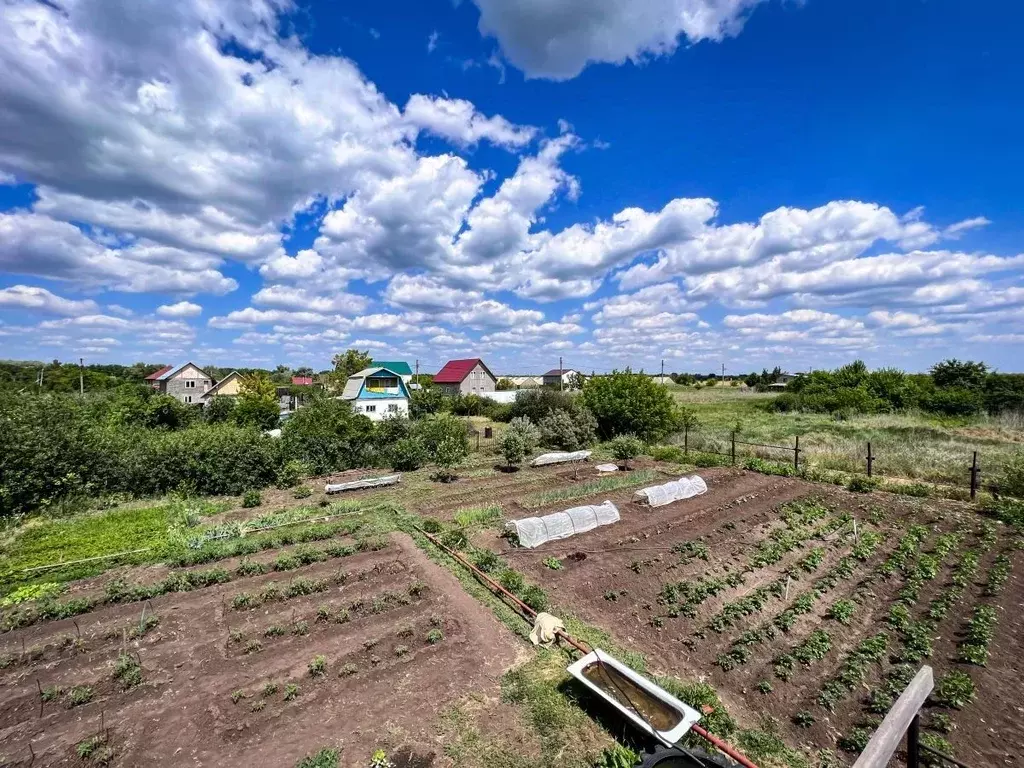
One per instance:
(42, 300)
(180, 310)
(557, 38)
(458, 121)
(32, 244)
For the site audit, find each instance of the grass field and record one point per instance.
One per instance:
(911, 445)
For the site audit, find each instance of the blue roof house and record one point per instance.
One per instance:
(378, 393)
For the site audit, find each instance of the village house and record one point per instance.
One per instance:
(229, 386)
(377, 393)
(188, 383)
(398, 366)
(465, 377)
(561, 377)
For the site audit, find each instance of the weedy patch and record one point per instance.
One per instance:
(127, 671)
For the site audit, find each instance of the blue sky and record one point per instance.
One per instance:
(748, 182)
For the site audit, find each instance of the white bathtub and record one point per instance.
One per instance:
(687, 715)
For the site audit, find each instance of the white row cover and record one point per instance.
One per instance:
(534, 531)
(683, 488)
(367, 482)
(559, 457)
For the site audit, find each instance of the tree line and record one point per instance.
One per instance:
(951, 388)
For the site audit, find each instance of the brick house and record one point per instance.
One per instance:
(188, 383)
(465, 377)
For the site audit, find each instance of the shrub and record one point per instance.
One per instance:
(513, 448)
(219, 409)
(303, 492)
(568, 431)
(434, 636)
(251, 498)
(444, 438)
(669, 453)
(318, 666)
(407, 454)
(630, 403)
(325, 758)
(536, 404)
(327, 436)
(626, 447)
(291, 474)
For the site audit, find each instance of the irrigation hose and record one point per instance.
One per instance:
(527, 611)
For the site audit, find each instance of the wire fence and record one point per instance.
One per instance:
(730, 445)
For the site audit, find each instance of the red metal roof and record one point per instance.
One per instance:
(157, 374)
(455, 371)
(302, 381)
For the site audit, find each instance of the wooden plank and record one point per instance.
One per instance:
(890, 733)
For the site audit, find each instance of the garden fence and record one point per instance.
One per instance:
(734, 448)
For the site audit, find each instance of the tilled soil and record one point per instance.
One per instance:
(383, 686)
(612, 577)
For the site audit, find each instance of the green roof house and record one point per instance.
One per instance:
(395, 366)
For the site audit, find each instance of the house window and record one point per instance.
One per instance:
(371, 409)
(392, 407)
(187, 399)
(190, 383)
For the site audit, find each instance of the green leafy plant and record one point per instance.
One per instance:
(435, 636)
(325, 758)
(251, 498)
(237, 696)
(841, 611)
(127, 671)
(954, 689)
(291, 691)
(318, 666)
(803, 719)
(302, 492)
(553, 563)
(79, 695)
(855, 741)
(347, 670)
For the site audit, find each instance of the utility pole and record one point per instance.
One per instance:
(723, 371)
(561, 381)
(416, 378)
(81, 376)
(662, 379)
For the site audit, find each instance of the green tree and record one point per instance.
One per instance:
(327, 436)
(257, 402)
(627, 402)
(504, 385)
(350, 362)
(953, 373)
(566, 431)
(423, 402)
(219, 409)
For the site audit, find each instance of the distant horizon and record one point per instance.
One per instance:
(613, 183)
(505, 373)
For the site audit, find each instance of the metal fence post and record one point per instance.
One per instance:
(796, 455)
(734, 447)
(913, 748)
(871, 459)
(974, 476)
